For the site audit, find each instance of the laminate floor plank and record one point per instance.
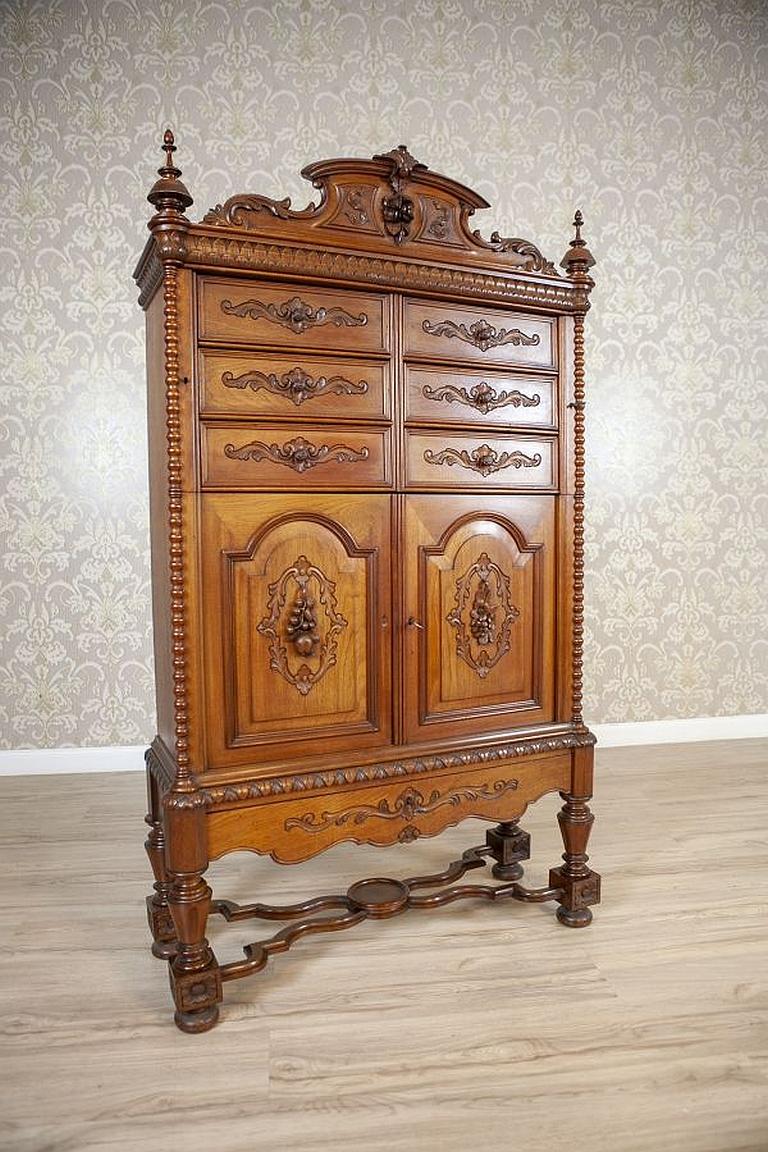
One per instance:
(473, 1024)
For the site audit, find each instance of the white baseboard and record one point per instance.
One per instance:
(42, 761)
(681, 731)
(39, 761)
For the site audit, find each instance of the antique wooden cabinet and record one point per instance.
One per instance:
(367, 480)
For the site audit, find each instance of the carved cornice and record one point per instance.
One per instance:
(371, 773)
(245, 252)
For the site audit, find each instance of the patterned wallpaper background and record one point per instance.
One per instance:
(649, 114)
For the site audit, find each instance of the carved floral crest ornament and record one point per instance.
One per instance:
(367, 549)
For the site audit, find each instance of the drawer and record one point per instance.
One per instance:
(278, 456)
(459, 460)
(292, 315)
(443, 396)
(281, 386)
(490, 335)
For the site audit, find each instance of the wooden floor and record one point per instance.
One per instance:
(473, 1027)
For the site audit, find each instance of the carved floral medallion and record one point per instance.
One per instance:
(302, 606)
(483, 615)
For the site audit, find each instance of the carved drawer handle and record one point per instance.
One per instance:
(299, 454)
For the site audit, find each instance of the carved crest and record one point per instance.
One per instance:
(301, 625)
(483, 615)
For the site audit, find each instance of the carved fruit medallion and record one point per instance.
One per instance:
(483, 615)
(302, 625)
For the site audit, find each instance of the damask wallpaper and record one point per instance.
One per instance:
(648, 114)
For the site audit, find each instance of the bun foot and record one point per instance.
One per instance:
(578, 918)
(507, 871)
(201, 1021)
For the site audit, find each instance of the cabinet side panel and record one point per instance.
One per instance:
(158, 511)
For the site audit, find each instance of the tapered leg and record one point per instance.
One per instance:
(158, 912)
(194, 970)
(580, 885)
(509, 845)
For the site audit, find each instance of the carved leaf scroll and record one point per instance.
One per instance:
(410, 803)
(296, 384)
(481, 334)
(482, 397)
(295, 314)
(534, 261)
(302, 628)
(299, 454)
(484, 459)
(483, 615)
(237, 210)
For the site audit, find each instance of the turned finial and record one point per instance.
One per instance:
(169, 196)
(578, 259)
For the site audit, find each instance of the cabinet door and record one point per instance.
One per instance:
(479, 614)
(296, 623)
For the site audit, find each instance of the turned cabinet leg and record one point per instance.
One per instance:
(509, 844)
(580, 885)
(194, 971)
(158, 912)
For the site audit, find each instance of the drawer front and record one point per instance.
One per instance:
(456, 460)
(279, 387)
(448, 396)
(290, 456)
(292, 315)
(487, 335)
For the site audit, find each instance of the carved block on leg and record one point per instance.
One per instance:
(194, 971)
(509, 845)
(579, 884)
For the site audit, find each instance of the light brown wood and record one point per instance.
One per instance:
(491, 399)
(330, 681)
(439, 1033)
(489, 335)
(295, 456)
(452, 459)
(281, 387)
(461, 553)
(297, 704)
(292, 316)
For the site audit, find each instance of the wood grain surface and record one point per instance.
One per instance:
(476, 1024)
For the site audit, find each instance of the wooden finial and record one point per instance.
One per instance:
(168, 194)
(169, 147)
(578, 259)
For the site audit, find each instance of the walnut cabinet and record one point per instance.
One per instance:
(367, 480)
